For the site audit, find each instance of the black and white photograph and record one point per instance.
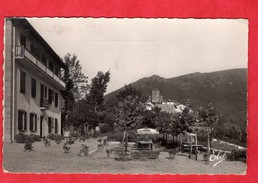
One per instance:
(125, 95)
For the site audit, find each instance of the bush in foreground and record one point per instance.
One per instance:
(237, 155)
(36, 138)
(173, 144)
(21, 138)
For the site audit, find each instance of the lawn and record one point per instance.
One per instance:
(53, 159)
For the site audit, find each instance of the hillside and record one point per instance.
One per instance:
(227, 90)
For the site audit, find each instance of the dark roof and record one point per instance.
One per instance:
(37, 36)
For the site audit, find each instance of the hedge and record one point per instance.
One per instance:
(236, 155)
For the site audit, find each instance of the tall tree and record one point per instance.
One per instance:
(80, 81)
(68, 96)
(83, 114)
(165, 123)
(76, 84)
(209, 117)
(186, 119)
(97, 90)
(151, 118)
(89, 110)
(128, 113)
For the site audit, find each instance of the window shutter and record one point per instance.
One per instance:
(22, 81)
(36, 122)
(56, 126)
(49, 125)
(33, 87)
(50, 96)
(56, 99)
(23, 40)
(19, 120)
(31, 122)
(25, 120)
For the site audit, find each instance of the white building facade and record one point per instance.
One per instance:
(32, 83)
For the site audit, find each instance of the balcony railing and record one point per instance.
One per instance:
(21, 52)
(44, 104)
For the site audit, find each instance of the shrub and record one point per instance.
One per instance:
(173, 144)
(109, 151)
(55, 137)
(22, 138)
(52, 136)
(36, 138)
(60, 137)
(75, 135)
(236, 155)
(28, 146)
(105, 128)
(96, 134)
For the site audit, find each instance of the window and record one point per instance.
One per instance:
(22, 81)
(33, 122)
(43, 95)
(33, 87)
(51, 66)
(57, 70)
(50, 125)
(23, 40)
(45, 92)
(56, 126)
(43, 59)
(22, 120)
(56, 99)
(50, 96)
(35, 51)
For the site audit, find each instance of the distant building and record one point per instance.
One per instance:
(32, 82)
(170, 106)
(155, 96)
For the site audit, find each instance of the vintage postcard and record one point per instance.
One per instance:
(127, 96)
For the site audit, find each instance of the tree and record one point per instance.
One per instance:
(128, 112)
(80, 85)
(68, 95)
(150, 117)
(209, 117)
(97, 90)
(76, 85)
(165, 123)
(83, 114)
(87, 111)
(184, 120)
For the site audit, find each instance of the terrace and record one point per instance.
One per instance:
(22, 54)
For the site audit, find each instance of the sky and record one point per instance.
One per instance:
(137, 48)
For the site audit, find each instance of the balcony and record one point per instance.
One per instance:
(22, 53)
(44, 104)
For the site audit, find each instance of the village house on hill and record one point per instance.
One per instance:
(32, 82)
(156, 100)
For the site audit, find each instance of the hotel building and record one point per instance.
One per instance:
(32, 82)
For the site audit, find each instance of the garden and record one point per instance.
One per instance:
(162, 158)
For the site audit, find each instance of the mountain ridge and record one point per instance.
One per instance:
(226, 89)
